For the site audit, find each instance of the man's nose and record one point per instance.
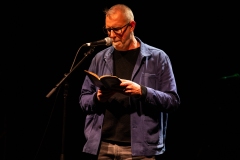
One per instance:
(111, 34)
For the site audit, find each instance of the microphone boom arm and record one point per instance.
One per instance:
(69, 73)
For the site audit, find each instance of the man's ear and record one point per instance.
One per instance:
(133, 25)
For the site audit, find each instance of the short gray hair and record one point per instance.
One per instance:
(122, 8)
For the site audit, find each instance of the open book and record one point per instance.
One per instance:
(105, 81)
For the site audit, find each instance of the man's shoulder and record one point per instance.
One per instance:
(149, 47)
(154, 51)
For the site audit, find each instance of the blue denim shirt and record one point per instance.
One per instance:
(153, 70)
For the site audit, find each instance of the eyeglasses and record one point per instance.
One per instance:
(118, 31)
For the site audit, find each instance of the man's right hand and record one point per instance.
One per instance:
(103, 95)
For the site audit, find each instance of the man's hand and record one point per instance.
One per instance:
(103, 95)
(131, 88)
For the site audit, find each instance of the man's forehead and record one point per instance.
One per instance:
(114, 15)
(116, 18)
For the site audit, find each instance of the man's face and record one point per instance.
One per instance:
(119, 29)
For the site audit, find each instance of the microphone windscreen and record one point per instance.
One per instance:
(108, 41)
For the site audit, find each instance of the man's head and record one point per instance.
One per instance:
(119, 25)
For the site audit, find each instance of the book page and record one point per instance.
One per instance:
(105, 81)
(91, 73)
(94, 78)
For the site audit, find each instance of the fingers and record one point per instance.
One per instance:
(132, 89)
(104, 95)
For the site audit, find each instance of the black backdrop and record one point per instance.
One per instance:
(40, 43)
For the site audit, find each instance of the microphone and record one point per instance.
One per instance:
(106, 41)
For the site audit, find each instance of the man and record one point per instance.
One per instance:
(130, 124)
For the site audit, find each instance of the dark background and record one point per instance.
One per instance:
(41, 39)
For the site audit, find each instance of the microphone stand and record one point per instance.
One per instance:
(66, 86)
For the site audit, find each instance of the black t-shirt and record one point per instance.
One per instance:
(116, 125)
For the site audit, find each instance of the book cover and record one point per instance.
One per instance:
(105, 81)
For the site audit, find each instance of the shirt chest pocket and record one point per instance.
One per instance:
(149, 80)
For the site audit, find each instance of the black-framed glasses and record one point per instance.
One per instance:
(118, 30)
